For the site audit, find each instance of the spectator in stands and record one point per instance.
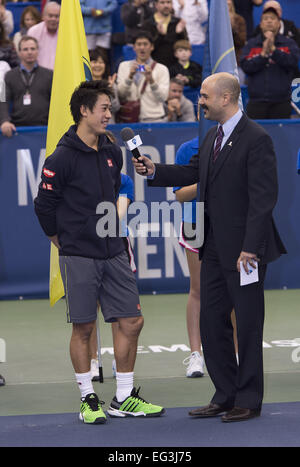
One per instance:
(144, 74)
(30, 16)
(186, 70)
(239, 30)
(7, 49)
(287, 27)
(133, 15)
(100, 70)
(195, 14)
(166, 29)
(97, 17)
(239, 34)
(6, 18)
(99, 65)
(28, 90)
(178, 108)
(4, 68)
(269, 60)
(44, 3)
(46, 35)
(245, 9)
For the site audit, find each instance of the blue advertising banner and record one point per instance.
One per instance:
(161, 262)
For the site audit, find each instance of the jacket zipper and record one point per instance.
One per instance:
(102, 196)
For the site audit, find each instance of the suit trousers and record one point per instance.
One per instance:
(236, 384)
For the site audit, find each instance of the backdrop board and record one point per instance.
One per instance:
(161, 262)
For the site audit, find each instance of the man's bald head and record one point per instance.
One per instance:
(225, 83)
(219, 96)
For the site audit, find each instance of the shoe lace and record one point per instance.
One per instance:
(93, 403)
(135, 394)
(187, 360)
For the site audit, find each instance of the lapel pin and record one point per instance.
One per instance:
(230, 144)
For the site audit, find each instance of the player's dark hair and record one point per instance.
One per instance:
(86, 94)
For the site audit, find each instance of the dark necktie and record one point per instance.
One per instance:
(219, 139)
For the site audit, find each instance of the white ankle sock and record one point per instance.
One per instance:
(84, 381)
(124, 385)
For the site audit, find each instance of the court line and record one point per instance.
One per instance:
(110, 378)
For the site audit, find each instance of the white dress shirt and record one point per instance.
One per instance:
(229, 126)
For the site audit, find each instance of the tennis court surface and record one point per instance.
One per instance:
(40, 403)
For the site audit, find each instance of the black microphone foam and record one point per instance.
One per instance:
(127, 134)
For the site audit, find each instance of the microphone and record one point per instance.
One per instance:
(132, 142)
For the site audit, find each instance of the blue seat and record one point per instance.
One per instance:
(193, 95)
(245, 95)
(198, 53)
(128, 52)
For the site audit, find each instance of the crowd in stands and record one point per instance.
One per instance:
(161, 34)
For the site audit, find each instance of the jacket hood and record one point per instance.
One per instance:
(71, 140)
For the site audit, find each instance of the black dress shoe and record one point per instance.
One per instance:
(210, 410)
(239, 414)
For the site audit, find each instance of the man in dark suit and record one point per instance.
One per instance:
(236, 169)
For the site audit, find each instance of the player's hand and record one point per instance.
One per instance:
(54, 240)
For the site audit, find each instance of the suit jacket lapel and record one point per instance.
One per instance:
(205, 154)
(230, 144)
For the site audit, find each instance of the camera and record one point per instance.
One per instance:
(141, 68)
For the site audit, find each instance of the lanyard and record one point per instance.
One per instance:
(27, 82)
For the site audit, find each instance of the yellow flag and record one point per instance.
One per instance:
(72, 66)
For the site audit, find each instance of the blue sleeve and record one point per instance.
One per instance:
(111, 5)
(86, 10)
(184, 155)
(127, 187)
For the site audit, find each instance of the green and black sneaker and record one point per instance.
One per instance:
(134, 406)
(91, 410)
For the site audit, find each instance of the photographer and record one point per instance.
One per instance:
(143, 84)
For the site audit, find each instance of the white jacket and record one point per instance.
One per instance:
(152, 100)
(194, 16)
(8, 22)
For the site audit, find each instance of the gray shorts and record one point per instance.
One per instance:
(110, 282)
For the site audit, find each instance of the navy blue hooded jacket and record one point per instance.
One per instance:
(75, 179)
(269, 78)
